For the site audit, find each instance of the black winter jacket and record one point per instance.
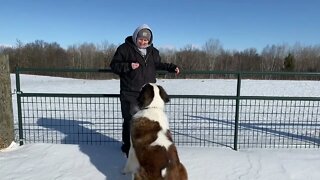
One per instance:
(133, 80)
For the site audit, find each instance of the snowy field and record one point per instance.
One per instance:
(56, 161)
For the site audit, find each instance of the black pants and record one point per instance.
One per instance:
(129, 106)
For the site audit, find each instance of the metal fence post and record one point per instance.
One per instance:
(19, 106)
(236, 121)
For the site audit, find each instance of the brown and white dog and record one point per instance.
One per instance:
(153, 155)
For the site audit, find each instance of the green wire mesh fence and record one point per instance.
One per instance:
(195, 120)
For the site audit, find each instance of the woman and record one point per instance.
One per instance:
(136, 62)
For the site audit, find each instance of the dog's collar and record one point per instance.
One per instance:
(151, 107)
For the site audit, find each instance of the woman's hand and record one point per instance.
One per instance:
(135, 65)
(177, 70)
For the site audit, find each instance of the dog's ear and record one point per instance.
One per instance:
(145, 96)
(163, 94)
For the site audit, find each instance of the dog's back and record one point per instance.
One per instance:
(158, 159)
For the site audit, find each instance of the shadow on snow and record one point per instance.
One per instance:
(107, 158)
(263, 128)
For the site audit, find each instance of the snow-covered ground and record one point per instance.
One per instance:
(57, 161)
(88, 162)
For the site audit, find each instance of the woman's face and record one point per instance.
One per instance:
(142, 42)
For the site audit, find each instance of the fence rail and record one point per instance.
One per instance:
(195, 120)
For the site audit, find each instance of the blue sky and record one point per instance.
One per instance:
(237, 24)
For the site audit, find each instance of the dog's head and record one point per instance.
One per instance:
(152, 95)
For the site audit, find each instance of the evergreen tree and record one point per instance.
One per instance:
(288, 64)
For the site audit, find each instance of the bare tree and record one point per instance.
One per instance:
(213, 49)
(273, 56)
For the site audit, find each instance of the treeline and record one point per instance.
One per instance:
(211, 56)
